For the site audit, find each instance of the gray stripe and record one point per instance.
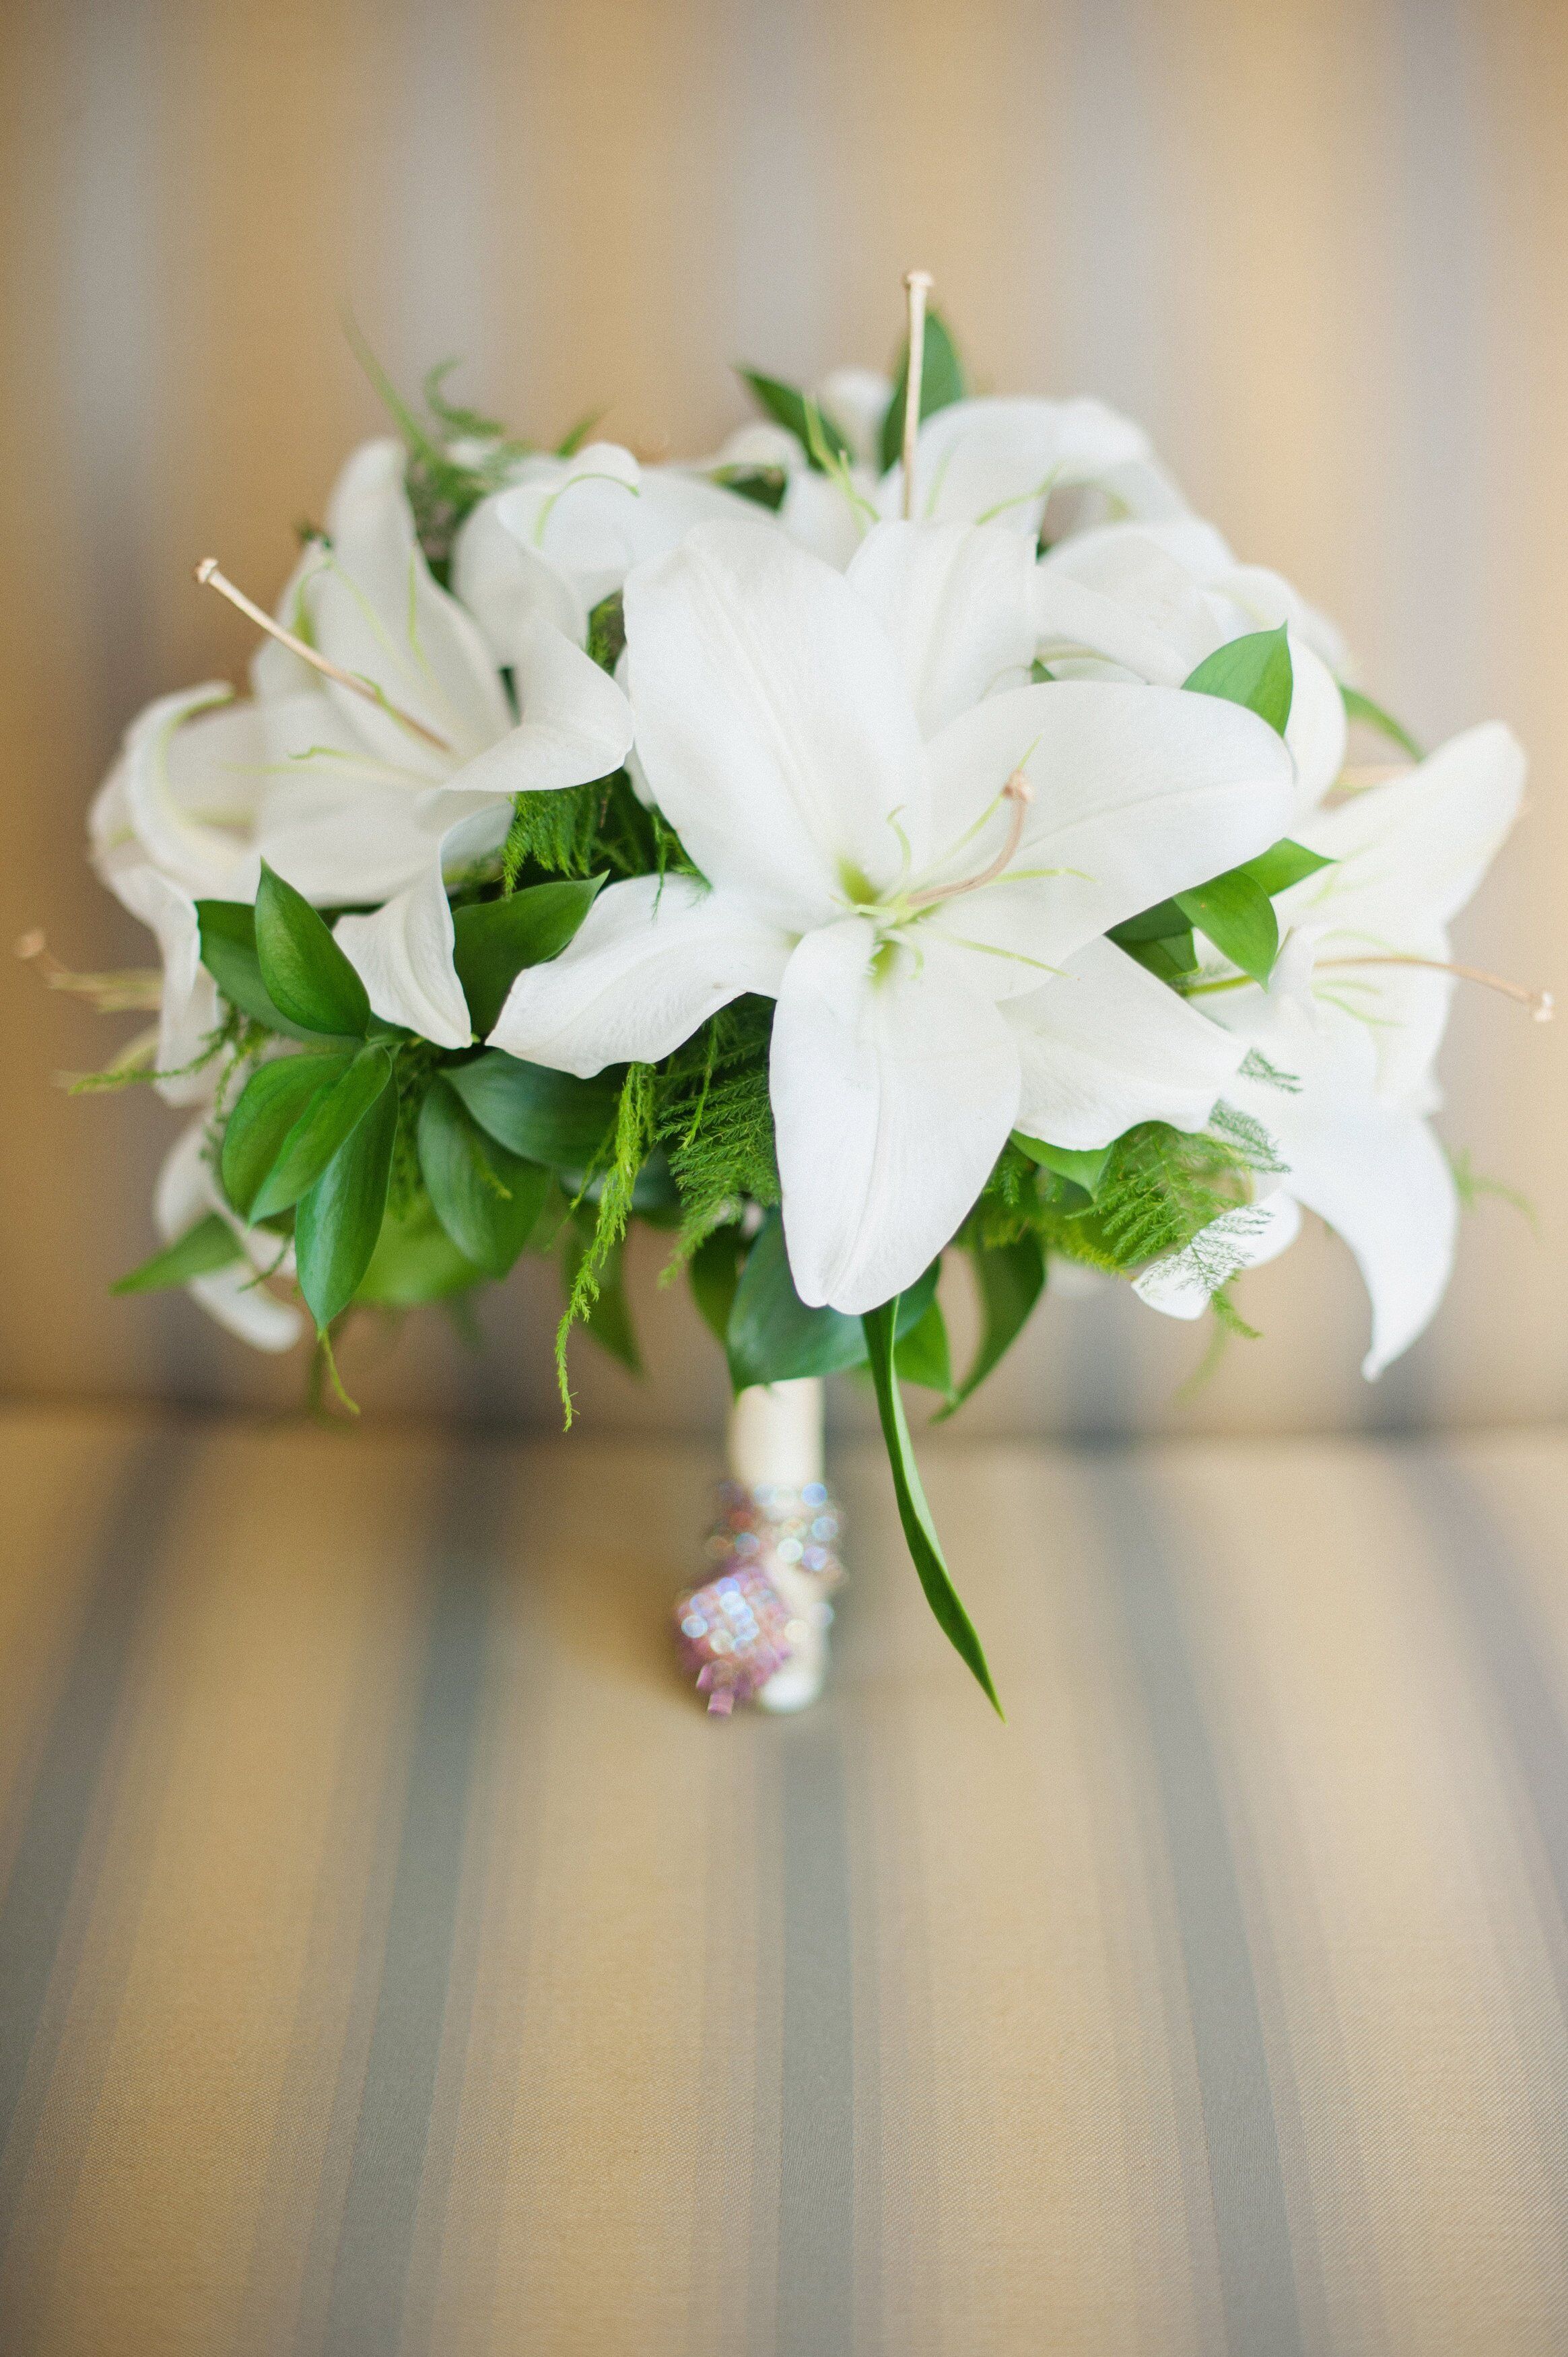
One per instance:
(375, 2239)
(816, 2177)
(1251, 2222)
(1476, 1558)
(43, 1875)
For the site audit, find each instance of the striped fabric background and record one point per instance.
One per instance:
(394, 1960)
(1318, 245)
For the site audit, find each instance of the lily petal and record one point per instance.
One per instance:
(1415, 848)
(819, 515)
(894, 1084)
(186, 788)
(1106, 1046)
(375, 610)
(654, 957)
(1138, 793)
(575, 723)
(1379, 1176)
(403, 955)
(1184, 1285)
(773, 723)
(985, 461)
(188, 1012)
(186, 1193)
(955, 601)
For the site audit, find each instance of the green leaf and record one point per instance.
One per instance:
(487, 1198)
(209, 1245)
(327, 1120)
(942, 382)
(713, 1274)
(273, 1099)
(415, 1260)
(1361, 707)
(1169, 960)
(1285, 864)
(1010, 1278)
(495, 939)
(229, 953)
(1084, 1165)
(1237, 917)
(1255, 671)
(339, 1221)
(919, 1531)
(306, 973)
(549, 1117)
(789, 407)
(924, 1357)
(773, 1338)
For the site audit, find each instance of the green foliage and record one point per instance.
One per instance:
(919, 1531)
(1255, 671)
(443, 489)
(328, 1119)
(714, 1118)
(923, 1354)
(210, 1244)
(546, 1117)
(1158, 1188)
(606, 630)
(275, 1100)
(1283, 863)
(1010, 1277)
(1237, 917)
(714, 1270)
(495, 939)
(488, 1200)
(800, 415)
(597, 1266)
(338, 1220)
(772, 1335)
(415, 1260)
(582, 830)
(1084, 1165)
(942, 382)
(304, 971)
(1361, 707)
(227, 932)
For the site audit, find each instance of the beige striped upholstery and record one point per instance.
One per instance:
(393, 1958)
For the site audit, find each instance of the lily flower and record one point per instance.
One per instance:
(985, 461)
(367, 784)
(565, 532)
(1349, 1025)
(1144, 601)
(186, 1192)
(918, 859)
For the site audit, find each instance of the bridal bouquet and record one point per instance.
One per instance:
(909, 832)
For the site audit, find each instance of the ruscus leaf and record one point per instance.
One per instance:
(1255, 671)
(942, 382)
(273, 1099)
(339, 1220)
(1283, 863)
(327, 1120)
(789, 407)
(495, 939)
(1085, 1165)
(545, 1115)
(919, 1530)
(229, 953)
(210, 1244)
(1237, 917)
(1010, 1278)
(306, 973)
(1361, 707)
(487, 1198)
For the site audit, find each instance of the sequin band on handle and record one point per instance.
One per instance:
(738, 1631)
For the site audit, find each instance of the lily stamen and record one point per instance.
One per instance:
(1540, 1003)
(918, 284)
(1020, 793)
(210, 577)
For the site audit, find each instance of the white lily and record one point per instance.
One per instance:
(565, 532)
(1136, 601)
(186, 1193)
(1352, 1019)
(918, 859)
(985, 461)
(353, 797)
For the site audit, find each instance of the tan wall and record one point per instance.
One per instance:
(1318, 248)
